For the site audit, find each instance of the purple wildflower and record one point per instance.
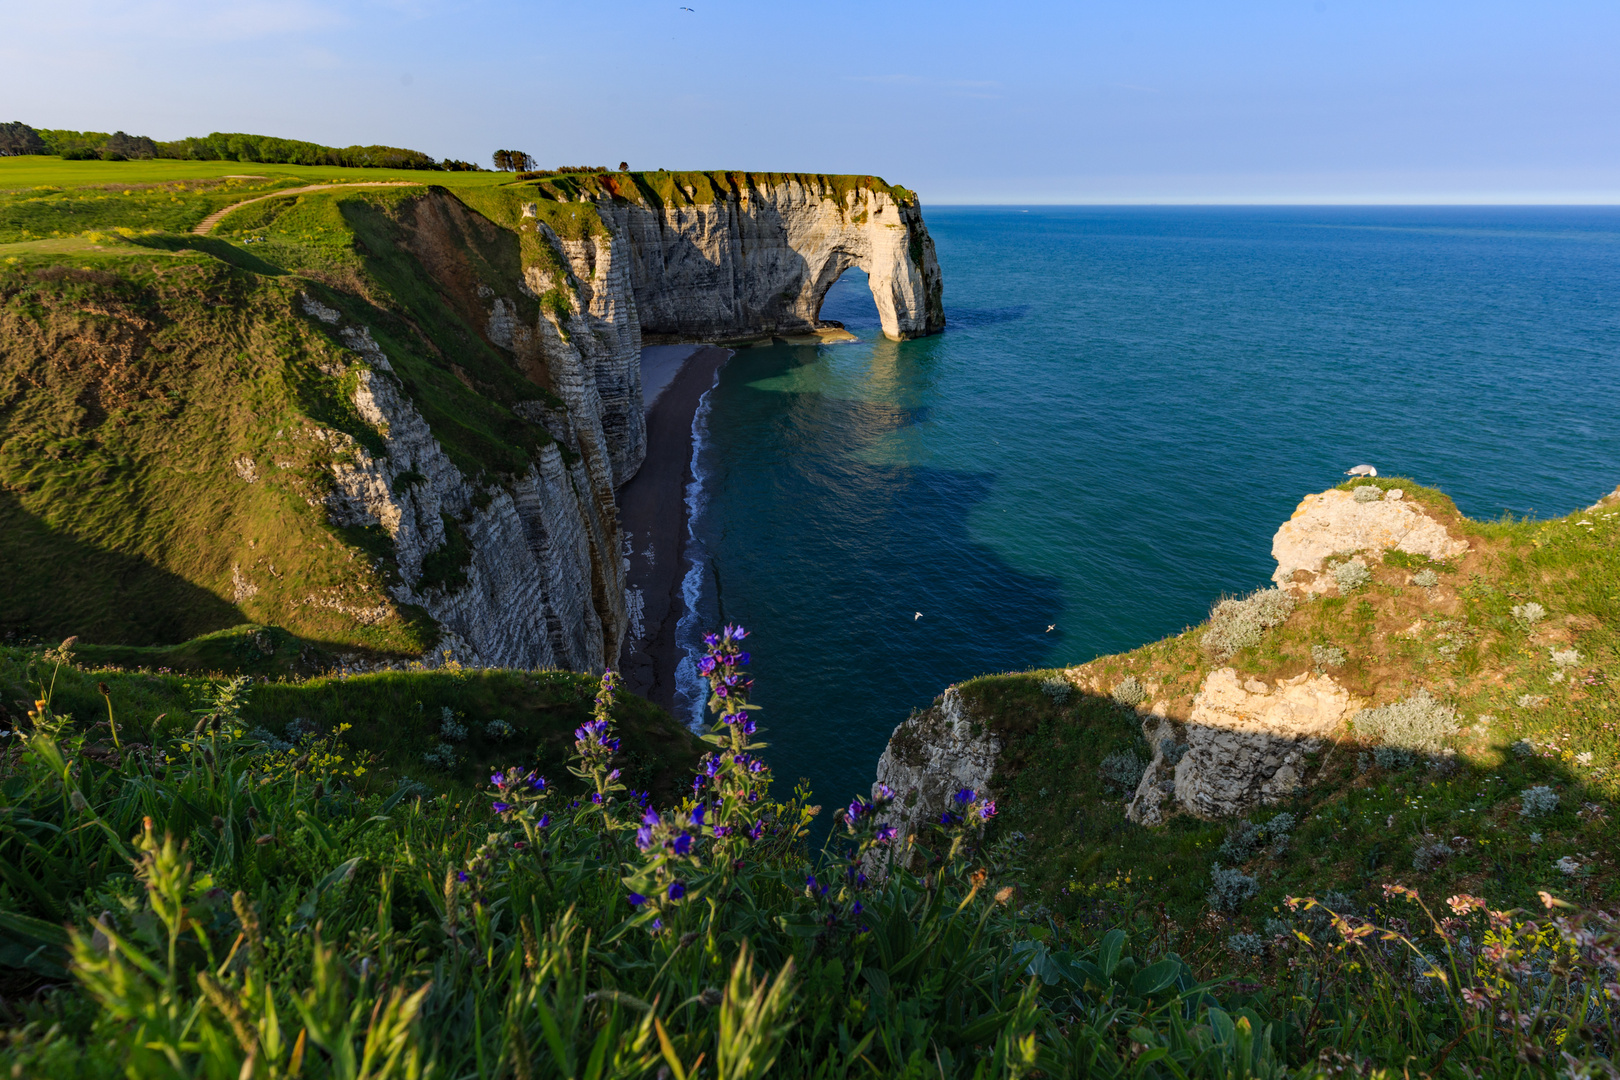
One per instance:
(886, 832)
(965, 796)
(697, 814)
(500, 807)
(545, 820)
(683, 844)
(987, 809)
(644, 837)
(677, 889)
(706, 665)
(636, 899)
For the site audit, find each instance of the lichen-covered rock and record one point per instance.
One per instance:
(929, 758)
(1332, 522)
(1245, 744)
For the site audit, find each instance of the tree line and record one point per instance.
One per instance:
(18, 138)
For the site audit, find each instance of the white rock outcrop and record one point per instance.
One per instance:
(1244, 744)
(761, 257)
(929, 758)
(1333, 522)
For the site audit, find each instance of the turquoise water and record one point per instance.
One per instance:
(1124, 407)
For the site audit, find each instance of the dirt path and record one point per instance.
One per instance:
(206, 225)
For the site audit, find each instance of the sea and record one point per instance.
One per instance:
(1124, 406)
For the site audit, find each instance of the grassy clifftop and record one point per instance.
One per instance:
(1533, 689)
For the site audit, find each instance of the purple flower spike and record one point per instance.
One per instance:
(885, 791)
(965, 796)
(683, 844)
(742, 658)
(498, 780)
(650, 817)
(636, 899)
(677, 889)
(545, 820)
(500, 807)
(644, 837)
(706, 665)
(697, 814)
(988, 809)
(886, 832)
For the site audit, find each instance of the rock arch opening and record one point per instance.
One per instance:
(847, 299)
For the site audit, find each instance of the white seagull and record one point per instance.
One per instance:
(917, 616)
(1361, 470)
(1051, 628)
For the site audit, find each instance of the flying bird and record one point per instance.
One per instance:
(1051, 628)
(1361, 470)
(692, 10)
(917, 616)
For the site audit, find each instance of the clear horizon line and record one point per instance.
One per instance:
(1598, 202)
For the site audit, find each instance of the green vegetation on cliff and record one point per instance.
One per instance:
(1517, 646)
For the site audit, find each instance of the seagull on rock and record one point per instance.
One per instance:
(1361, 470)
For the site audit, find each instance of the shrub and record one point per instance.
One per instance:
(1367, 493)
(1122, 770)
(1531, 701)
(1538, 801)
(1565, 657)
(1246, 944)
(1529, 614)
(1129, 692)
(1350, 575)
(499, 729)
(1426, 579)
(1429, 856)
(1417, 723)
(1393, 758)
(450, 728)
(1172, 751)
(1238, 624)
(442, 756)
(1327, 656)
(1058, 689)
(1522, 748)
(1244, 838)
(1229, 889)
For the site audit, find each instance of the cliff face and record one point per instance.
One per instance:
(395, 425)
(761, 256)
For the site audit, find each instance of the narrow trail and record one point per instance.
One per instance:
(206, 225)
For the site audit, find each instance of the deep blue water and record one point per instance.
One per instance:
(1125, 405)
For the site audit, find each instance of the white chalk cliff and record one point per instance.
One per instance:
(545, 578)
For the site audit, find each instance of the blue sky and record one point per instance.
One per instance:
(1147, 101)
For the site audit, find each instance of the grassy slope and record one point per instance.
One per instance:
(136, 371)
(1357, 829)
(394, 716)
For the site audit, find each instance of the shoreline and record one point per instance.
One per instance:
(653, 514)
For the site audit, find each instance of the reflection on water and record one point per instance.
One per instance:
(1124, 406)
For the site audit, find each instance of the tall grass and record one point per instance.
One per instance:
(244, 911)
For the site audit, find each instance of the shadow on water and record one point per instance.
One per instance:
(827, 552)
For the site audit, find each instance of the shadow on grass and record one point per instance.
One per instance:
(223, 250)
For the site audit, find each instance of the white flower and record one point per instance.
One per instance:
(1565, 657)
(1568, 865)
